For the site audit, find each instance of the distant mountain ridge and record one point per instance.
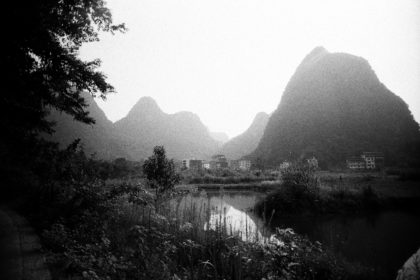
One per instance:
(246, 142)
(146, 125)
(334, 106)
(134, 136)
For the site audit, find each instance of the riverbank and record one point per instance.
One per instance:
(121, 235)
(383, 184)
(305, 192)
(380, 240)
(259, 186)
(390, 186)
(116, 231)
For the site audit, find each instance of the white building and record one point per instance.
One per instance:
(285, 165)
(244, 165)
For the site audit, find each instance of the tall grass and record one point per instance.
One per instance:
(302, 192)
(131, 239)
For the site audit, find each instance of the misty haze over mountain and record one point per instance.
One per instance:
(145, 126)
(334, 106)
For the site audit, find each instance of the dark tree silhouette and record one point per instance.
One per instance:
(160, 172)
(42, 70)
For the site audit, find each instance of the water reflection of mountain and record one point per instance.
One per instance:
(226, 210)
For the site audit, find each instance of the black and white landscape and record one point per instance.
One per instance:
(210, 140)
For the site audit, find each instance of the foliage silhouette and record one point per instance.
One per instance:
(45, 72)
(160, 173)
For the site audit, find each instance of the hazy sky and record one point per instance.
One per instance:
(226, 60)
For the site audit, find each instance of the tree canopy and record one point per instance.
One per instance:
(160, 171)
(43, 70)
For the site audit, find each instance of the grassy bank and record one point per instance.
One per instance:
(229, 178)
(257, 186)
(304, 191)
(117, 233)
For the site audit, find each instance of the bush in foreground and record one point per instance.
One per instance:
(119, 235)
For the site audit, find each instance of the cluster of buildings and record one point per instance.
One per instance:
(216, 162)
(366, 161)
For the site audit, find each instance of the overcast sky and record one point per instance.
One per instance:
(227, 60)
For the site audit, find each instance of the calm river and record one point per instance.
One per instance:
(383, 241)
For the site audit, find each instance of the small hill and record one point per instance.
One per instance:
(146, 125)
(246, 142)
(334, 106)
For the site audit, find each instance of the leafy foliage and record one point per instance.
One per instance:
(160, 171)
(301, 192)
(116, 237)
(43, 72)
(300, 174)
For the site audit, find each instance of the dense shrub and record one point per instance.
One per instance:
(300, 193)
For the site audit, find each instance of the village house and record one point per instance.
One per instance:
(366, 161)
(284, 165)
(218, 162)
(356, 163)
(244, 165)
(373, 160)
(206, 165)
(185, 163)
(192, 164)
